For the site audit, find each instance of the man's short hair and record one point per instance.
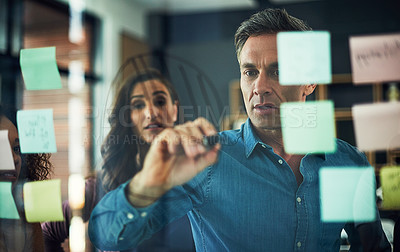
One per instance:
(268, 21)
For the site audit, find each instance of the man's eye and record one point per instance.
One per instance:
(274, 73)
(251, 73)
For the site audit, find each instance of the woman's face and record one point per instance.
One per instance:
(152, 109)
(11, 175)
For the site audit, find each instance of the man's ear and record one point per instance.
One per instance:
(309, 89)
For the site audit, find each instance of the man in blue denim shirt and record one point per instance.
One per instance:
(256, 197)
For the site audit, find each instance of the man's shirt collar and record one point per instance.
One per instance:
(251, 140)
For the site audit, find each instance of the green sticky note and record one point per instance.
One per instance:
(347, 194)
(308, 127)
(304, 57)
(36, 131)
(39, 68)
(42, 200)
(390, 181)
(8, 210)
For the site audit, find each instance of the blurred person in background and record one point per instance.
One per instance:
(17, 234)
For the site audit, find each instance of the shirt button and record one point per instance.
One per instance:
(120, 238)
(298, 244)
(298, 199)
(280, 161)
(144, 214)
(130, 216)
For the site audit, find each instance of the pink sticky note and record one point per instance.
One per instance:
(377, 126)
(375, 58)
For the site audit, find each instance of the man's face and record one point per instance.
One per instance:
(259, 82)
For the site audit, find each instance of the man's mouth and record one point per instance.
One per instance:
(265, 106)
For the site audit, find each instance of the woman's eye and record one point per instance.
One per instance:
(160, 102)
(17, 150)
(138, 105)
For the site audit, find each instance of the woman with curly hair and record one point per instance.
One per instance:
(144, 104)
(19, 235)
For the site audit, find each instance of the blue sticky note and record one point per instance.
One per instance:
(8, 210)
(39, 68)
(36, 131)
(347, 194)
(304, 57)
(308, 127)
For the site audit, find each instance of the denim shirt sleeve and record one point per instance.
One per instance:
(113, 218)
(116, 225)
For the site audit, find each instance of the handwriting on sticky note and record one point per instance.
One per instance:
(304, 57)
(308, 127)
(347, 194)
(42, 200)
(6, 157)
(8, 210)
(375, 58)
(39, 68)
(36, 131)
(390, 181)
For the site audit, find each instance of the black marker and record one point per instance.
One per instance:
(210, 141)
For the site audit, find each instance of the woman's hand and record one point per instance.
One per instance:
(176, 155)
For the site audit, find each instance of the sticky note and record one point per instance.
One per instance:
(36, 131)
(308, 127)
(347, 194)
(375, 58)
(39, 68)
(8, 210)
(390, 182)
(7, 162)
(42, 200)
(377, 126)
(304, 57)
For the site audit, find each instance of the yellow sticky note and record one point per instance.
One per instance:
(42, 201)
(390, 181)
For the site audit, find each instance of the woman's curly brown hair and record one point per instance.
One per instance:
(37, 166)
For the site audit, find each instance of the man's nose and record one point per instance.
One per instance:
(262, 85)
